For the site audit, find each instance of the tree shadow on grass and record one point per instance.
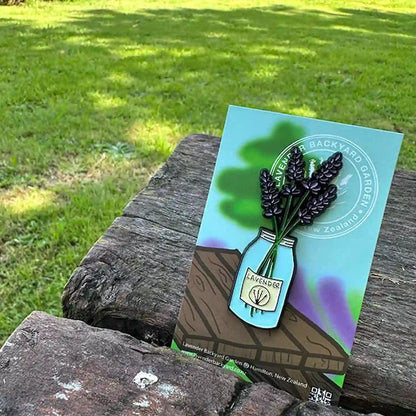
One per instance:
(153, 76)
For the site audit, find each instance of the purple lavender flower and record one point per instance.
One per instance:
(312, 185)
(317, 205)
(329, 169)
(291, 189)
(305, 217)
(303, 198)
(270, 198)
(295, 169)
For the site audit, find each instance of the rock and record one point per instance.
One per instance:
(59, 367)
(133, 279)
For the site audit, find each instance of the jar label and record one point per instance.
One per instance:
(260, 292)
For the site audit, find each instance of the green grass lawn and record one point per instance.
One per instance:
(96, 94)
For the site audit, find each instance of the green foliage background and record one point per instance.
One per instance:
(241, 202)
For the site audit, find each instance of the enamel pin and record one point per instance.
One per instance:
(268, 263)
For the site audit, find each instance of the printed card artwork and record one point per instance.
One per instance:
(285, 249)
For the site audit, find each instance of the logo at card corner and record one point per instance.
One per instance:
(355, 202)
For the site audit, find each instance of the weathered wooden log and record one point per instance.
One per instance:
(55, 366)
(59, 367)
(134, 278)
(263, 400)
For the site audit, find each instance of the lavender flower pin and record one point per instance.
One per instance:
(268, 263)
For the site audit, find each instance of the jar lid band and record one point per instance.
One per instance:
(270, 236)
(267, 235)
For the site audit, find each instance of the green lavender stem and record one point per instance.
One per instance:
(263, 264)
(283, 232)
(274, 257)
(275, 227)
(269, 262)
(287, 208)
(270, 265)
(291, 228)
(267, 258)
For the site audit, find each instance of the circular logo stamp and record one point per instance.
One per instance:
(259, 295)
(357, 184)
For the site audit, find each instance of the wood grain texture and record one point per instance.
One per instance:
(134, 278)
(54, 366)
(261, 399)
(297, 349)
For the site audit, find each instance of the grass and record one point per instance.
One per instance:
(96, 94)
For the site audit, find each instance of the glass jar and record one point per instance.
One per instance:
(255, 298)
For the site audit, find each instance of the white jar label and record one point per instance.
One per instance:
(260, 292)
